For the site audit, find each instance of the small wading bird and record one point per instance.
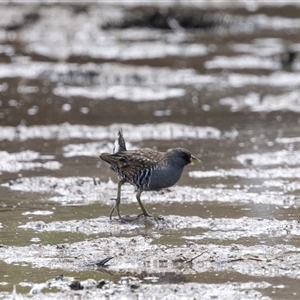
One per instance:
(146, 169)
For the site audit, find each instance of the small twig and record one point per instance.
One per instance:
(191, 260)
(183, 259)
(255, 258)
(102, 262)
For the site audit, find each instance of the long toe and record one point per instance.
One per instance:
(116, 207)
(112, 211)
(123, 220)
(150, 216)
(119, 215)
(150, 220)
(127, 219)
(143, 215)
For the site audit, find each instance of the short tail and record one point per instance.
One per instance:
(119, 144)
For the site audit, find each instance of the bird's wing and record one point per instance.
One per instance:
(131, 162)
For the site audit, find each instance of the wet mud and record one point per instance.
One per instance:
(221, 80)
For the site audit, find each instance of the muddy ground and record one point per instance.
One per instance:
(221, 80)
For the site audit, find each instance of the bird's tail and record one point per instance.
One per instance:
(119, 144)
(106, 157)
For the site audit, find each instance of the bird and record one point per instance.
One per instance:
(145, 169)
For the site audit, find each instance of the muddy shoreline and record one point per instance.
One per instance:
(220, 80)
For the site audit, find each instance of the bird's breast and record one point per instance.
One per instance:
(163, 178)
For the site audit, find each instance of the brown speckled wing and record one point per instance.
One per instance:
(129, 163)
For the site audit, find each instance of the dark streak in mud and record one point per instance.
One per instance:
(170, 18)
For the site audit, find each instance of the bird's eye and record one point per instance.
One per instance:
(183, 155)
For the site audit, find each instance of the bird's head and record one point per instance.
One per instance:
(181, 157)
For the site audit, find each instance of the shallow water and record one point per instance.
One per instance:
(210, 79)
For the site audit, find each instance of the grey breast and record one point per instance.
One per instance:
(159, 178)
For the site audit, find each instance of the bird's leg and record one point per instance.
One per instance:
(138, 197)
(118, 201)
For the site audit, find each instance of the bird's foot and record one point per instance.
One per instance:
(150, 216)
(127, 219)
(117, 208)
(141, 217)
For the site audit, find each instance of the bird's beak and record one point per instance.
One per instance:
(194, 159)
